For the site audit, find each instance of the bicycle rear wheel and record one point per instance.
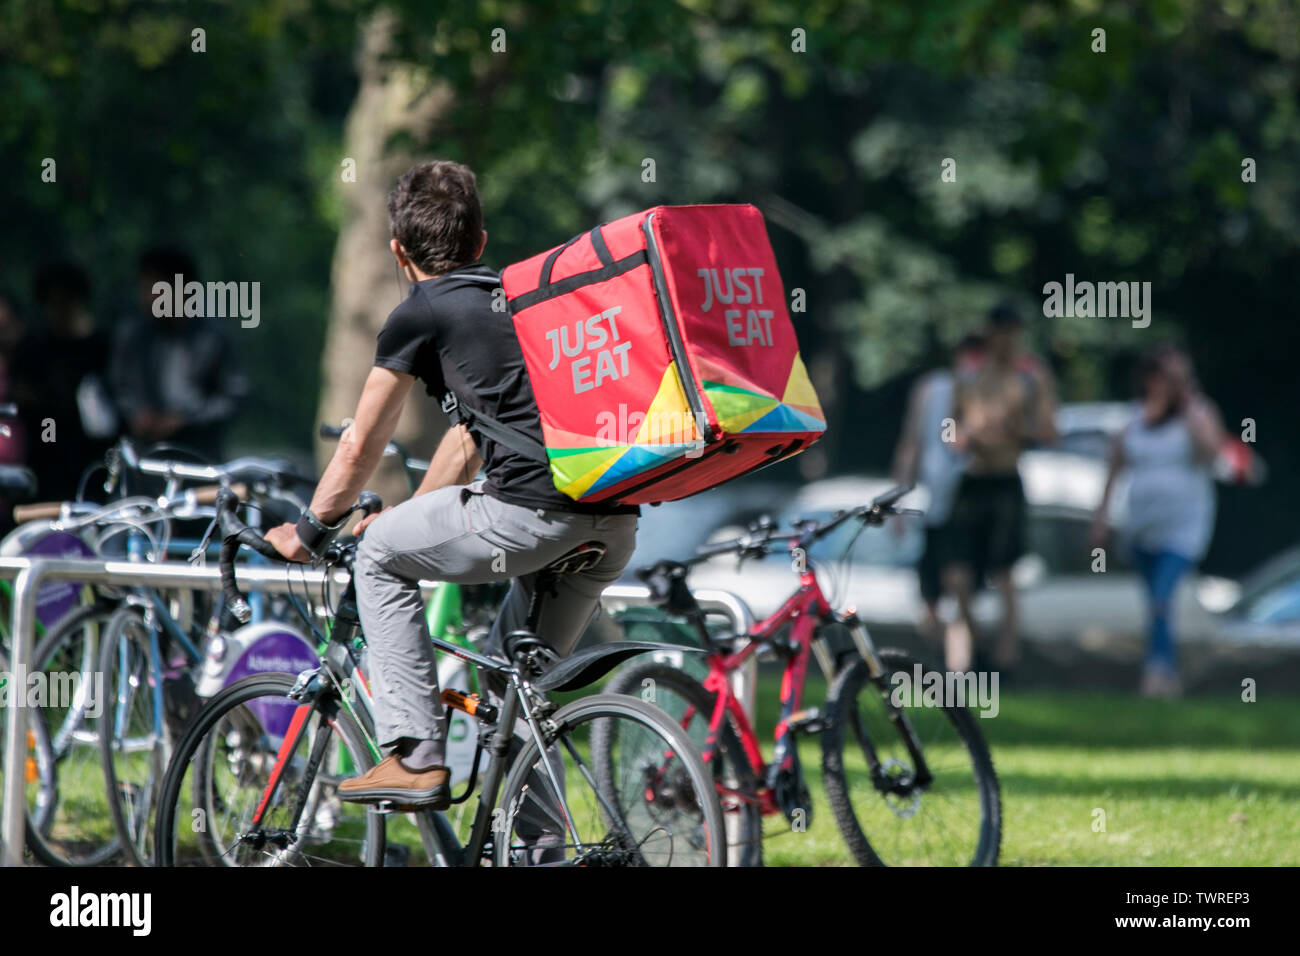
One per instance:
(132, 742)
(217, 781)
(620, 785)
(888, 816)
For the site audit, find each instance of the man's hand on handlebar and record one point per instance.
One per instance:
(285, 539)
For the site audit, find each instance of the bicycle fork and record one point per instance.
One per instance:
(897, 715)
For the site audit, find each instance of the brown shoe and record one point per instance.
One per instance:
(390, 781)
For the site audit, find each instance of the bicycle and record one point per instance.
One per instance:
(122, 648)
(884, 763)
(262, 759)
(69, 820)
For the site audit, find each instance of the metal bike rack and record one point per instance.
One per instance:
(29, 573)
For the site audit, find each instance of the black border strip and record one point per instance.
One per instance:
(685, 374)
(564, 286)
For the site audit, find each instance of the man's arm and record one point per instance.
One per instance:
(1206, 426)
(1044, 427)
(355, 459)
(1100, 531)
(454, 463)
(362, 445)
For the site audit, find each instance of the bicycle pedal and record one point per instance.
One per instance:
(807, 721)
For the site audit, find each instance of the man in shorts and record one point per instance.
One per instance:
(1001, 406)
(926, 455)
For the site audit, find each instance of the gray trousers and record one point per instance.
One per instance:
(463, 535)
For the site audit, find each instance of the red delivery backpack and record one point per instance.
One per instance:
(661, 355)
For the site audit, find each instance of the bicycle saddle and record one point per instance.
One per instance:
(582, 558)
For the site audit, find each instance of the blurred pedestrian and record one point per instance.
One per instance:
(175, 378)
(1168, 449)
(57, 378)
(1001, 405)
(926, 455)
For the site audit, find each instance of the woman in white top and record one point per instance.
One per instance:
(1168, 449)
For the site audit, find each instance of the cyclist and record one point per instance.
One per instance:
(511, 523)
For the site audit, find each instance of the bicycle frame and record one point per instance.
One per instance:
(804, 611)
(341, 665)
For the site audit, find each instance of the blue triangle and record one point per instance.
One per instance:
(783, 418)
(634, 461)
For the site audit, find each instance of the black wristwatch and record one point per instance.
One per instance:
(314, 534)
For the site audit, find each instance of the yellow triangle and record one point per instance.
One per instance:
(798, 388)
(668, 420)
(576, 488)
(738, 423)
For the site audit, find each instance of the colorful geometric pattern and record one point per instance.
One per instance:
(668, 430)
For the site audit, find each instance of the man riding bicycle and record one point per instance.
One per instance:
(510, 524)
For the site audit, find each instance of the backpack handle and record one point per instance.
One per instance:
(597, 243)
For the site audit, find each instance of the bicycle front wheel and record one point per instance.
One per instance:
(68, 821)
(893, 809)
(620, 784)
(685, 699)
(218, 808)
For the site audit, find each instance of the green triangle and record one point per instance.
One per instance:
(576, 463)
(569, 452)
(734, 389)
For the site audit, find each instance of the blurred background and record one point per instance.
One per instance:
(258, 142)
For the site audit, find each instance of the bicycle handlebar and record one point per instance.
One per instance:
(235, 532)
(87, 512)
(758, 543)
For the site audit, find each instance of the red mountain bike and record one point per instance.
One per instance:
(907, 784)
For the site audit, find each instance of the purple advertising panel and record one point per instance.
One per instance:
(279, 652)
(57, 598)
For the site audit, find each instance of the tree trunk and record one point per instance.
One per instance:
(395, 109)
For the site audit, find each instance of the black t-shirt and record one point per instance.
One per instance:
(447, 335)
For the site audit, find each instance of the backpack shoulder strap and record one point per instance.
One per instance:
(501, 433)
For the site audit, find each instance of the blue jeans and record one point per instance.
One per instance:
(1161, 572)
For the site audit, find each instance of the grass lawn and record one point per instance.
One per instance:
(1200, 781)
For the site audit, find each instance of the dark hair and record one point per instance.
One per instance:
(163, 262)
(434, 212)
(66, 277)
(970, 342)
(1005, 315)
(1152, 362)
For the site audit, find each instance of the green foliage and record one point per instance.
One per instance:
(1123, 165)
